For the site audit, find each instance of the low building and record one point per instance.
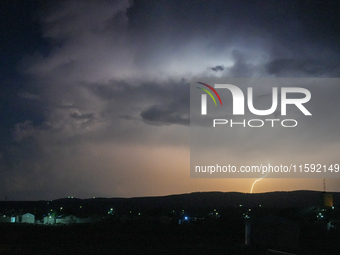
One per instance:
(66, 219)
(49, 220)
(25, 218)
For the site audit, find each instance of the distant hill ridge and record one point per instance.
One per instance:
(99, 205)
(300, 198)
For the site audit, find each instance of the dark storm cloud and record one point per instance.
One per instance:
(171, 100)
(176, 112)
(118, 90)
(307, 67)
(281, 27)
(111, 74)
(218, 68)
(163, 115)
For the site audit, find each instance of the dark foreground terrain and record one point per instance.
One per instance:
(297, 222)
(209, 237)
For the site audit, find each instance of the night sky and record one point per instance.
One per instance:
(95, 94)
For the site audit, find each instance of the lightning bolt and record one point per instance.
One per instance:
(252, 186)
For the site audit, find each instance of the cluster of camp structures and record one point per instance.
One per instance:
(62, 219)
